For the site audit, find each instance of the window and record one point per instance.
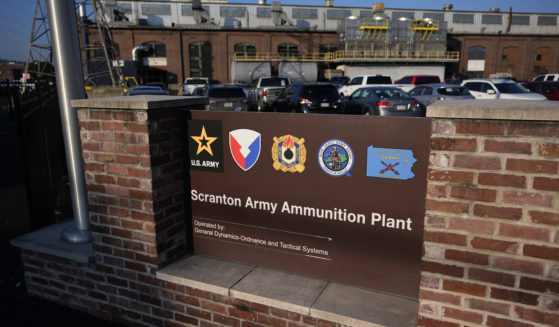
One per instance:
(186, 10)
(356, 81)
(337, 14)
(200, 55)
(228, 11)
(288, 50)
(156, 9)
(263, 12)
(245, 47)
(476, 52)
(299, 13)
(155, 49)
(434, 16)
(504, 58)
(538, 57)
(547, 20)
(463, 18)
(520, 20)
(400, 14)
(125, 8)
(406, 80)
(365, 14)
(491, 19)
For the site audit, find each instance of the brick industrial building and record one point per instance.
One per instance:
(193, 39)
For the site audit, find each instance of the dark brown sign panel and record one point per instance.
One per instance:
(328, 196)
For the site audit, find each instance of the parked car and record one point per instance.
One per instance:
(550, 90)
(308, 98)
(383, 101)
(419, 79)
(340, 80)
(547, 77)
(365, 80)
(429, 93)
(161, 85)
(266, 90)
(146, 90)
(192, 83)
(226, 98)
(498, 88)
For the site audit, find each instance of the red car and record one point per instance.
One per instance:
(419, 79)
(548, 89)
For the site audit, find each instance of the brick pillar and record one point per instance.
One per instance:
(135, 180)
(491, 250)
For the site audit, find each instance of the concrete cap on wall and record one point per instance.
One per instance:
(140, 102)
(495, 109)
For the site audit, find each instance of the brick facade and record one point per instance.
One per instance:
(491, 240)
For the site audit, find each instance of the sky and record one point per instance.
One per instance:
(16, 17)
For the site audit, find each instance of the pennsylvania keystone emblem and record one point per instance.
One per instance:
(289, 154)
(390, 163)
(335, 158)
(245, 147)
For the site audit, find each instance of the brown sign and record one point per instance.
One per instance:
(328, 196)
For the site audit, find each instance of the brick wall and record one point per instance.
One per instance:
(134, 175)
(491, 251)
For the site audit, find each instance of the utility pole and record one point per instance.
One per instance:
(39, 50)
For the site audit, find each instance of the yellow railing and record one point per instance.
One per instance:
(349, 56)
(426, 27)
(377, 26)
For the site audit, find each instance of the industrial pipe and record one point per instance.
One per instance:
(69, 79)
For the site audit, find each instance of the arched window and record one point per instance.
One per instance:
(476, 62)
(155, 49)
(245, 47)
(476, 53)
(200, 55)
(288, 49)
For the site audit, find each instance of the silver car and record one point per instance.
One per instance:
(429, 93)
(382, 101)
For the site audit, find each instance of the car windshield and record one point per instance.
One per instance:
(391, 94)
(322, 91)
(274, 82)
(453, 90)
(196, 81)
(511, 88)
(236, 92)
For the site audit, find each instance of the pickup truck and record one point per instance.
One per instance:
(371, 80)
(266, 91)
(191, 83)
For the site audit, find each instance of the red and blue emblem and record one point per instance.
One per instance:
(245, 147)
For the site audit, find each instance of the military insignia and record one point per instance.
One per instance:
(390, 163)
(245, 147)
(335, 158)
(205, 145)
(289, 154)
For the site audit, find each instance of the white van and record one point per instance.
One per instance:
(547, 77)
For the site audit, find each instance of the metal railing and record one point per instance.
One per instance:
(352, 56)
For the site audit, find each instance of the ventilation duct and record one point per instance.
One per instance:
(278, 16)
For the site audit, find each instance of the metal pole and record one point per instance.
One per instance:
(69, 78)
